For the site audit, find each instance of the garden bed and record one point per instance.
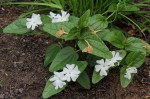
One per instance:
(22, 75)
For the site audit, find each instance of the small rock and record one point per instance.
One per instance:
(1, 96)
(20, 90)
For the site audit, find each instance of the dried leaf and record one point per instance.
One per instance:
(60, 33)
(131, 32)
(93, 31)
(146, 47)
(88, 49)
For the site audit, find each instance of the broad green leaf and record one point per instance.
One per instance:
(17, 27)
(116, 38)
(97, 23)
(96, 77)
(98, 46)
(81, 65)
(50, 90)
(84, 80)
(74, 20)
(72, 34)
(54, 28)
(122, 53)
(124, 81)
(103, 33)
(84, 19)
(61, 29)
(45, 19)
(51, 52)
(136, 59)
(135, 44)
(92, 59)
(65, 56)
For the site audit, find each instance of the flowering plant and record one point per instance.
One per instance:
(89, 34)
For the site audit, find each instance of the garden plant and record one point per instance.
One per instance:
(88, 40)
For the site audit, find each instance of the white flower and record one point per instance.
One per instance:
(59, 18)
(71, 72)
(116, 58)
(52, 15)
(102, 66)
(34, 21)
(129, 71)
(58, 80)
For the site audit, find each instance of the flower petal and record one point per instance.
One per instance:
(103, 72)
(74, 77)
(101, 62)
(70, 67)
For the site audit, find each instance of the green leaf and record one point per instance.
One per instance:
(50, 90)
(84, 80)
(97, 22)
(98, 46)
(136, 59)
(92, 59)
(74, 20)
(54, 28)
(81, 65)
(35, 3)
(130, 7)
(148, 51)
(122, 53)
(135, 44)
(51, 52)
(124, 81)
(72, 34)
(84, 19)
(103, 33)
(17, 27)
(116, 38)
(96, 77)
(46, 19)
(65, 56)
(122, 7)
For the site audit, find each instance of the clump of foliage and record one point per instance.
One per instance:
(88, 25)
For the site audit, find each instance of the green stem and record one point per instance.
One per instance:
(110, 15)
(132, 22)
(146, 5)
(78, 50)
(129, 65)
(25, 14)
(105, 12)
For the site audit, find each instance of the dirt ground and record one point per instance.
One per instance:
(22, 75)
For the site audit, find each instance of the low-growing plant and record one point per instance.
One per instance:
(88, 33)
(117, 9)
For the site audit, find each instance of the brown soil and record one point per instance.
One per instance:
(22, 75)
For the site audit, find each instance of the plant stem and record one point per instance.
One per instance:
(110, 15)
(132, 22)
(78, 50)
(25, 14)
